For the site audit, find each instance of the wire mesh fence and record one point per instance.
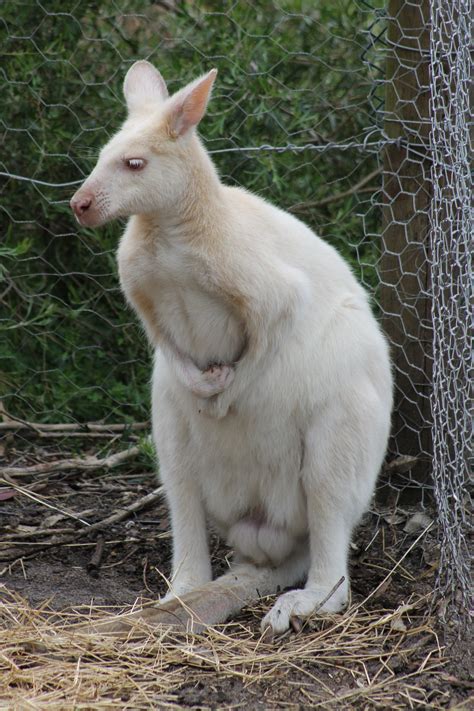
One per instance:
(353, 116)
(451, 228)
(422, 97)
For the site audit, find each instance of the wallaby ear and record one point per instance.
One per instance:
(143, 84)
(188, 106)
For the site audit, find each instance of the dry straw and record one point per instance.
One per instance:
(367, 658)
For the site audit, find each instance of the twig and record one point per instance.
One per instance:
(94, 564)
(61, 434)
(124, 513)
(21, 536)
(114, 518)
(401, 464)
(14, 423)
(297, 623)
(330, 594)
(82, 463)
(40, 500)
(303, 206)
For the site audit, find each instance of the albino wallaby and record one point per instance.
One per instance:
(272, 387)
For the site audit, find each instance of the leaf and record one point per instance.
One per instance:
(52, 520)
(398, 624)
(417, 522)
(394, 518)
(7, 494)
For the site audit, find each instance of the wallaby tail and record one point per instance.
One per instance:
(209, 605)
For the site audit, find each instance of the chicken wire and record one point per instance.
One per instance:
(354, 117)
(421, 98)
(451, 227)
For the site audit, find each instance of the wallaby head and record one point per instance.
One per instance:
(148, 165)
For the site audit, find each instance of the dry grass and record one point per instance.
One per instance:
(350, 661)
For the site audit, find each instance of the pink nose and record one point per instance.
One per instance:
(81, 205)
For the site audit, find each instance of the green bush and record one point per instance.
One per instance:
(289, 73)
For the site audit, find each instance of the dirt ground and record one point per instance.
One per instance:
(390, 650)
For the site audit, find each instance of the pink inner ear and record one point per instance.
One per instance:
(195, 105)
(190, 108)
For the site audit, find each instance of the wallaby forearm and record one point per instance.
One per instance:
(202, 383)
(269, 318)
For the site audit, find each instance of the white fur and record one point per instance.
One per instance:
(279, 444)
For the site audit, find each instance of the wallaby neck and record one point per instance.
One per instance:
(200, 213)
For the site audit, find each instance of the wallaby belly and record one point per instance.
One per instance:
(250, 460)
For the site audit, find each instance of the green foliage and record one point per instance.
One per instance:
(289, 72)
(148, 453)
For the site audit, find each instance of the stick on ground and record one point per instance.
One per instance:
(80, 463)
(116, 517)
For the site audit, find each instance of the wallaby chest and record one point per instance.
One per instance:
(169, 286)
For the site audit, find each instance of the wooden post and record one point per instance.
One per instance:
(407, 193)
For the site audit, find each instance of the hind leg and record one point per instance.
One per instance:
(344, 451)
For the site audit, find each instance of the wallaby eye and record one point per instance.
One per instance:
(134, 163)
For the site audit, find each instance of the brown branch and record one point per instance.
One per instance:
(82, 435)
(20, 536)
(13, 423)
(118, 516)
(401, 464)
(123, 513)
(82, 463)
(95, 562)
(357, 188)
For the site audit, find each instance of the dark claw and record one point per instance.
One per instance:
(296, 624)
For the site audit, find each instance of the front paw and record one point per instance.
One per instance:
(213, 381)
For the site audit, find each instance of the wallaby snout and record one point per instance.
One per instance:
(84, 206)
(81, 204)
